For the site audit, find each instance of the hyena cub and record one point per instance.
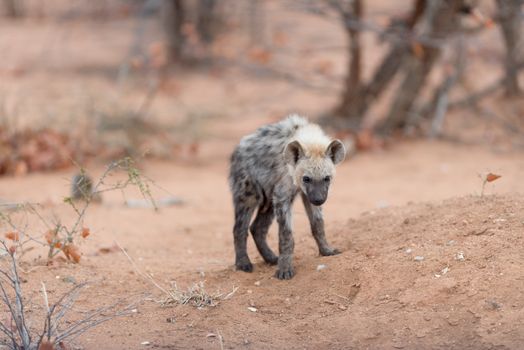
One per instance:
(268, 169)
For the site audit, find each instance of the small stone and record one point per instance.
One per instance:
(492, 304)
(418, 258)
(321, 267)
(459, 256)
(408, 251)
(252, 309)
(145, 343)
(257, 283)
(445, 270)
(69, 279)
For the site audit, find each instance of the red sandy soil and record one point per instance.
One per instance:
(373, 295)
(416, 198)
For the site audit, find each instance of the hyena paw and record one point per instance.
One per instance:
(329, 252)
(244, 265)
(285, 274)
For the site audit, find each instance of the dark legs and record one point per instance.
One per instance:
(259, 229)
(316, 221)
(286, 244)
(243, 213)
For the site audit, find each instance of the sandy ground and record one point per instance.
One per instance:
(386, 207)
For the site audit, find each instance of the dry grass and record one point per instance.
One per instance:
(195, 295)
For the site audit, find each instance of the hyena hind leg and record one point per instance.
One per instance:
(243, 213)
(259, 229)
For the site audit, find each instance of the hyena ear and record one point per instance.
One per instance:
(336, 151)
(293, 152)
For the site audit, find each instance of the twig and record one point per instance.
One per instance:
(144, 275)
(220, 339)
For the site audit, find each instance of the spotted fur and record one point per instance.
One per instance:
(269, 168)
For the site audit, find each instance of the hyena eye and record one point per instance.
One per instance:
(327, 179)
(306, 179)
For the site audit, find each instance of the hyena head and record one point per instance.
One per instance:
(313, 167)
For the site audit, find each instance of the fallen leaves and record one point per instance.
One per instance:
(36, 150)
(85, 232)
(65, 244)
(418, 50)
(72, 253)
(492, 177)
(259, 55)
(13, 236)
(489, 177)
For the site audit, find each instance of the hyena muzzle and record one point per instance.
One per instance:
(269, 168)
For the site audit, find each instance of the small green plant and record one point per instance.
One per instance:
(18, 332)
(62, 238)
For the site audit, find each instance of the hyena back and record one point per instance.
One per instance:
(269, 168)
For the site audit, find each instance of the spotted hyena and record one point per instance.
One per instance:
(269, 168)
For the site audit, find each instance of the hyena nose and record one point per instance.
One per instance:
(318, 201)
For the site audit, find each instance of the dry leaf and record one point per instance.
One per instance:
(418, 50)
(50, 236)
(324, 67)
(14, 236)
(492, 177)
(72, 253)
(21, 168)
(260, 55)
(85, 232)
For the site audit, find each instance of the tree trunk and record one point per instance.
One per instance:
(352, 88)
(206, 20)
(357, 97)
(440, 19)
(510, 25)
(14, 8)
(173, 16)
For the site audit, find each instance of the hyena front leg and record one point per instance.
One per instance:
(316, 221)
(243, 213)
(259, 229)
(286, 243)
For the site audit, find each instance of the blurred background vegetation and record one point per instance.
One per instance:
(183, 79)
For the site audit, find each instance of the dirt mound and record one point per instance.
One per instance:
(438, 275)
